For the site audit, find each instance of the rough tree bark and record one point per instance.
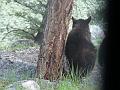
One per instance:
(49, 65)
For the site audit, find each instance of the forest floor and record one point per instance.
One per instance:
(26, 60)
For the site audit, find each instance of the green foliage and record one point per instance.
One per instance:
(21, 19)
(94, 8)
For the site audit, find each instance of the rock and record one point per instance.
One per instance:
(46, 84)
(32, 85)
(27, 55)
(16, 70)
(23, 85)
(18, 65)
(24, 42)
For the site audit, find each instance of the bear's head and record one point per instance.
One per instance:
(81, 24)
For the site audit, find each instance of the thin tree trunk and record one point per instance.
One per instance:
(49, 63)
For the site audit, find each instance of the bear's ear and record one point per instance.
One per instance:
(73, 19)
(88, 20)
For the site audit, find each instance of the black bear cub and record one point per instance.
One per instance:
(79, 50)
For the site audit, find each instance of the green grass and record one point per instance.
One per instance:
(69, 82)
(69, 85)
(73, 82)
(4, 83)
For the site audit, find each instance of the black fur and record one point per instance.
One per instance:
(79, 50)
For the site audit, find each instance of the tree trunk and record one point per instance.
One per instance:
(49, 65)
